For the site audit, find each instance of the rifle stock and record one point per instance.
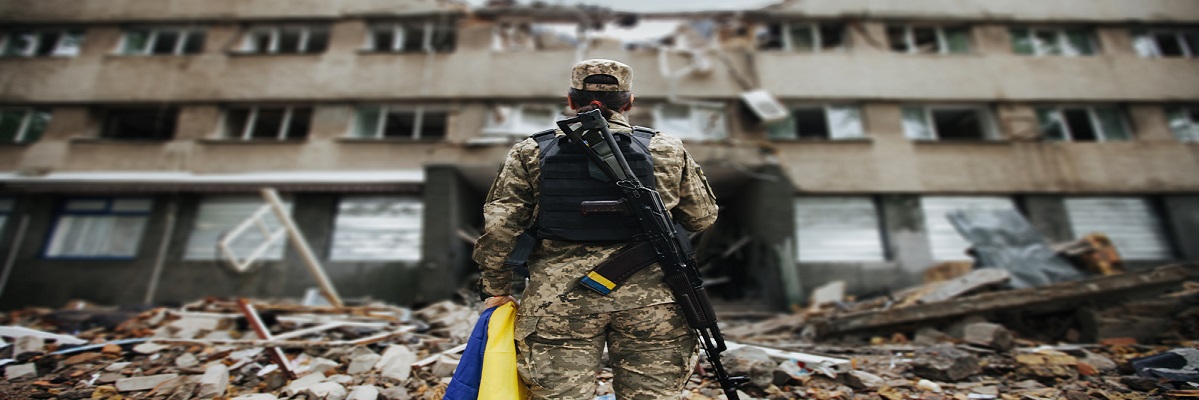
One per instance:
(681, 271)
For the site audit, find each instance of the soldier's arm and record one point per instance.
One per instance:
(697, 208)
(508, 211)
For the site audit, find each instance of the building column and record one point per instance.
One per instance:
(450, 205)
(907, 237)
(1182, 220)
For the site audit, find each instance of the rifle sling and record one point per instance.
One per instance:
(611, 272)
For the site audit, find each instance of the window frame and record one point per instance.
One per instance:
(106, 115)
(1092, 118)
(517, 126)
(1180, 36)
(429, 29)
(381, 125)
(694, 119)
(826, 109)
(38, 34)
(939, 31)
(247, 131)
(1060, 37)
(1190, 112)
(250, 201)
(23, 130)
(814, 30)
(62, 210)
(991, 132)
(152, 39)
(276, 32)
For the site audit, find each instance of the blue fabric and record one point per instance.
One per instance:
(465, 383)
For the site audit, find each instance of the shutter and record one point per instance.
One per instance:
(837, 229)
(945, 241)
(1129, 222)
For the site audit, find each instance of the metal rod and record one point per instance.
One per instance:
(275, 353)
(297, 239)
(161, 259)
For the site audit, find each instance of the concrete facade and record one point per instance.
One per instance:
(756, 176)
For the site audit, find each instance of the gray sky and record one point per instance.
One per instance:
(661, 5)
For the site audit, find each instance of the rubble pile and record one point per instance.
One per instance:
(961, 342)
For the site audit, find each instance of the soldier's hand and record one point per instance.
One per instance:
(496, 301)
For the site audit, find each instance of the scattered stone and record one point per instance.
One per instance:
(988, 334)
(109, 378)
(787, 371)
(186, 360)
(111, 348)
(182, 386)
(862, 380)
(116, 366)
(139, 383)
(326, 391)
(988, 390)
(928, 336)
(364, 392)
(395, 393)
(831, 292)
(1101, 363)
(28, 345)
(340, 378)
(148, 348)
(362, 362)
(396, 362)
(445, 366)
(299, 385)
(214, 382)
(82, 358)
(322, 365)
(1047, 364)
(945, 363)
(256, 396)
(20, 372)
(105, 392)
(929, 386)
(751, 362)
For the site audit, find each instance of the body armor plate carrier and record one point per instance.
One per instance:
(568, 179)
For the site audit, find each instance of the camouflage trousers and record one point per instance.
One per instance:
(651, 350)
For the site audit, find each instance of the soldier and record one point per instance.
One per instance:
(562, 328)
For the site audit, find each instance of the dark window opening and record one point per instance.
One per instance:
(301, 119)
(267, 123)
(383, 39)
(772, 39)
(1079, 122)
(399, 124)
(832, 37)
(289, 41)
(810, 123)
(318, 41)
(925, 40)
(958, 125)
(445, 37)
(140, 124)
(1167, 44)
(49, 41)
(165, 43)
(433, 125)
(193, 43)
(414, 38)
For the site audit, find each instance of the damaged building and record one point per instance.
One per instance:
(136, 135)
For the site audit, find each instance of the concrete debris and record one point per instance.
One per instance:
(20, 371)
(362, 363)
(214, 382)
(945, 363)
(28, 345)
(396, 362)
(139, 383)
(365, 392)
(751, 362)
(326, 391)
(988, 334)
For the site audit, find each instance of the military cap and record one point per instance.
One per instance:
(599, 66)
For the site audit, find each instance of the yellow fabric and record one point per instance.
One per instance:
(500, 380)
(601, 279)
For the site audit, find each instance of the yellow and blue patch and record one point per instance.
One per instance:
(598, 283)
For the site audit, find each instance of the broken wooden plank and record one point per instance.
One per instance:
(18, 331)
(976, 279)
(1059, 296)
(830, 366)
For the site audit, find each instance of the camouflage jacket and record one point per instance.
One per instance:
(555, 267)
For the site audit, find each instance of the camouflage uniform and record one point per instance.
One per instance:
(562, 327)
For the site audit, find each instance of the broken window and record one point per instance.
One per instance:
(22, 125)
(220, 214)
(524, 36)
(6, 206)
(267, 123)
(1043, 41)
(41, 43)
(522, 119)
(944, 240)
(1083, 123)
(820, 122)
(162, 41)
(807, 37)
(140, 123)
(400, 122)
(690, 121)
(378, 228)
(1184, 121)
(838, 229)
(411, 37)
(286, 39)
(929, 39)
(1151, 43)
(948, 123)
(105, 227)
(1131, 223)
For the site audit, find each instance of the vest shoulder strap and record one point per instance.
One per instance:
(545, 141)
(643, 136)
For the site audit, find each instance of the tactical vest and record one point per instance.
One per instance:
(568, 178)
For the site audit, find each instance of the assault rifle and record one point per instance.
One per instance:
(680, 270)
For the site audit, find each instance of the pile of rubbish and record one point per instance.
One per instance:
(954, 339)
